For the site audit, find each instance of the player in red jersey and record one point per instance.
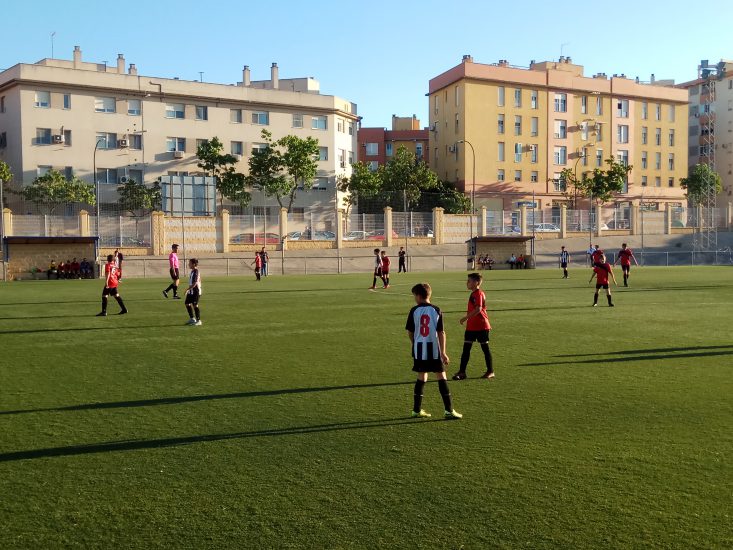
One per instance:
(602, 269)
(625, 255)
(258, 265)
(110, 286)
(477, 327)
(595, 257)
(385, 268)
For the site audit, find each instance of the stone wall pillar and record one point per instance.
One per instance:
(523, 220)
(157, 233)
(563, 221)
(224, 230)
(599, 222)
(729, 215)
(482, 232)
(284, 227)
(84, 224)
(437, 225)
(668, 219)
(8, 222)
(387, 226)
(634, 225)
(699, 216)
(339, 228)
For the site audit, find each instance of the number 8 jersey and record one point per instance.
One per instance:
(425, 321)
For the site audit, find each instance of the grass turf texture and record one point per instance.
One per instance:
(283, 421)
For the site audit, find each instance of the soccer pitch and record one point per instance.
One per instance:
(283, 421)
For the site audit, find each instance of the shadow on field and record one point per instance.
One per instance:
(653, 350)
(196, 398)
(138, 444)
(77, 329)
(654, 355)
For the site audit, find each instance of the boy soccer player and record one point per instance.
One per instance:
(595, 257)
(173, 270)
(258, 265)
(377, 268)
(193, 293)
(564, 261)
(385, 268)
(110, 287)
(425, 328)
(477, 327)
(602, 269)
(625, 255)
(402, 267)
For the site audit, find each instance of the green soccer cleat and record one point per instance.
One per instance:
(421, 414)
(453, 415)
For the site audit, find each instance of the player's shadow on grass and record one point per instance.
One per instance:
(196, 398)
(78, 329)
(632, 358)
(134, 445)
(653, 350)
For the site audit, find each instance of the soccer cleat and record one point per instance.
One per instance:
(421, 414)
(452, 415)
(102, 314)
(488, 375)
(595, 305)
(199, 323)
(191, 322)
(176, 297)
(611, 305)
(165, 294)
(123, 312)
(459, 376)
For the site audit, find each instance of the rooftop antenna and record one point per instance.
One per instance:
(201, 76)
(52, 36)
(562, 47)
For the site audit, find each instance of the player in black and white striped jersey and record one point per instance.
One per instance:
(377, 269)
(425, 328)
(564, 261)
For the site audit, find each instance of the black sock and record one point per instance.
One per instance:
(465, 356)
(189, 308)
(198, 312)
(609, 299)
(417, 403)
(487, 356)
(565, 272)
(445, 394)
(386, 279)
(175, 290)
(374, 282)
(104, 304)
(122, 304)
(170, 287)
(595, 298)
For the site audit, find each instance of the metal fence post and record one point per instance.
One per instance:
(667, 253)
(305, 265)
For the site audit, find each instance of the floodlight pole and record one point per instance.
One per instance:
(473, 190)
(96, 199)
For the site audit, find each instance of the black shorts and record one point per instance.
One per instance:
(431, 365)
(193, 296)
(564, 265)
(110, 291)
(599, 286)
(625, 267)
(174, 273)
(480, 336)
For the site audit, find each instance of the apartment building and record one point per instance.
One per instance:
(710, 124)
(377, 145)
(73, 115)
(528, 124)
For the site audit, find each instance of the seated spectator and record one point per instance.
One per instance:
(52, 270)
(75, 269)
(61, 270)
(512, 261)
(520, 262)
(85, 269)
(67, 269)
(489, 261)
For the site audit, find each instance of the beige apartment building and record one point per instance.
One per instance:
(71, 115)
(528, 124)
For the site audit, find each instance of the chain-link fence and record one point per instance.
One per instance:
(254, 228)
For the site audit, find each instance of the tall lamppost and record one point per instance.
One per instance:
(473, 188)
(96, 199)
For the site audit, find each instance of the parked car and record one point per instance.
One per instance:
(259, 238)
(294, 235)
(355, 236)
(324, 236)
(617, 224)
(379, 235)
(545, 228)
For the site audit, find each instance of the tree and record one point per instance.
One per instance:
(230, 184)
(5, 174)
(603, 184)
(447, 197)
(406, 177)
(363, 184)
(53, 189)
(138, 199)
(700, 181)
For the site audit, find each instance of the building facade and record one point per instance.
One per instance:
(527, 125)
(710, 125)
(377, 145)
(73, 115)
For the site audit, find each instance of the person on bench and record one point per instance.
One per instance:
(52, 270)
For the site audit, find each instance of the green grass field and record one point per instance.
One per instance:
(283, 422)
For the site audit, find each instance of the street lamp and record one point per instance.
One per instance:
(473, 188)
(584, 155)
(96, 198)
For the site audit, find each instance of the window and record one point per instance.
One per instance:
(644, 160)
(517, 175)
(3, 140)
(534, 177)
(319, 123)
(533, 153)
(106, 140)
(670, 161)
(297, 120)
(67, 101)
(2, 104)
(237, 148)
(259, 147)
(174, 110)
(599, 105)
(500, 123)
(68, 172)
(500, 152)
(561, 129)
(107, 175)
(135, 141)
(671, 138)
(43, 100)
(533, 99)
(622, 108)
(644, 110)
(457, 93)
(175, 144)
(201, 143)
(456, 122)
(135, 175)
(517, 152)
(202, 112)
(670, 182)
(559, 182)
(658, 136)
(584, 105)
(373, 166)
(623, 157)
(340, 126)
(644, 135)
(319, 184)
(261, 117)
(67, 138)
(599, 131)
(599, 158)
(517, 125)
(658, 161)
(534, 124)
(658, 111)
(435, 104)
(419, 151)
(134, 107)
(235, 116)
(622, 133)
(517, 97)
(561, 155)
(500, 96)
(351, 128)
(42, 170)
(584, 131)
(43, 136)
(104, 104)
(657, 182)
(388, 149)
(351, 154)
(670, 113)
(323, 153)
(372, 149)
(643, 181)
(342, 158)
(500, 175)
(561, 103)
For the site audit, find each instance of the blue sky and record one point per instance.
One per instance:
(377, 53)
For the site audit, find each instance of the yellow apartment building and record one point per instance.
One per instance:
(526, 125)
